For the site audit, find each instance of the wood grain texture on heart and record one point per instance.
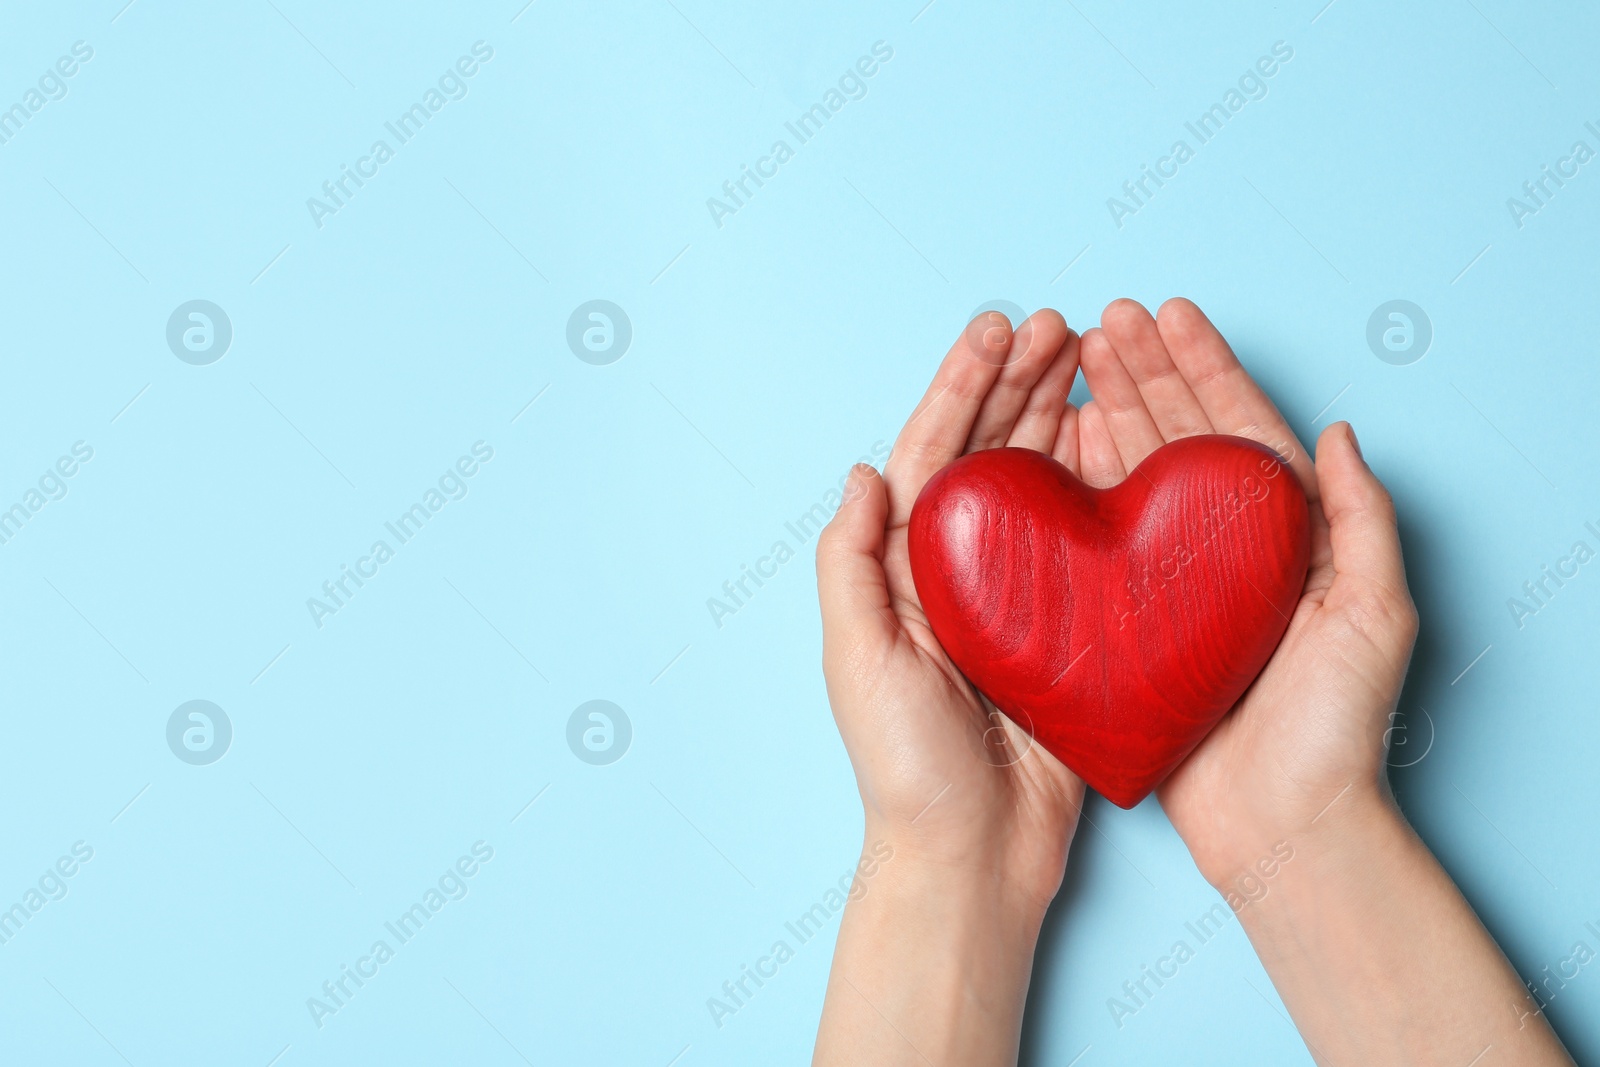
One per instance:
(1117, 626)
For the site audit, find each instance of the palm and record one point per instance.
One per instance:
(1291, 744)
(930, 754)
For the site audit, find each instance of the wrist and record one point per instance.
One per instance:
(940, 953)
(976, 864)
(1378, 958)
(1250, 846)
(979, 891)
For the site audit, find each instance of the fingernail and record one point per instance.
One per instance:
(855, 484)
(1351, 430)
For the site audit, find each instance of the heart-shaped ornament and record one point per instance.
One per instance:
(1116, 626)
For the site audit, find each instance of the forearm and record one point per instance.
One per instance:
(931, 967)
(1379, 958)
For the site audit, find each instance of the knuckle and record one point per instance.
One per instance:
(1381, 506)
(1044, 403)
(1382, 614)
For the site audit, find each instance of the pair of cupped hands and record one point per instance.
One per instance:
(957, 785)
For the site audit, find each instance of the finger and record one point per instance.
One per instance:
(1122, 412)
(1033, 348)
(1040, 420)
(1137, 340)
(850, 580)
(937, 431)
(1361, 520)
(1097, 452)
(1231, 398)
(1066, 450)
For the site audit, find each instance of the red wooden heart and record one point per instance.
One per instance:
(1117, 626)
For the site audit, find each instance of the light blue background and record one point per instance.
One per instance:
(768, 354)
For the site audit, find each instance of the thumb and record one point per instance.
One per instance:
(1362, 530)
(850, 580)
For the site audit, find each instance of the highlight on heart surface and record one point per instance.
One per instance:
(1117, 626)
